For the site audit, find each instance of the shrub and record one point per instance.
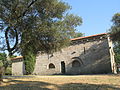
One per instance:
(29, 63)
(8, 71)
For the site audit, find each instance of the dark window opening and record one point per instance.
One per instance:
(63, 67)
(51, 66)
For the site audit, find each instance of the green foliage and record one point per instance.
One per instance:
(44, 25)
(3, 58)
(115, 36)
(115, 29)
(116, 19)
(5, 63)
(35, 25)
(29, 63)
(117, 58)
(78, 34)
(117, 52)
(8, 71)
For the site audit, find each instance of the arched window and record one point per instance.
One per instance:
(75, 63)
(51, 66)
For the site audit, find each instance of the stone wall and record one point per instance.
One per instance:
(84, 56)
(18, 67)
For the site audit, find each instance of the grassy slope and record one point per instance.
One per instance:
(81, 82)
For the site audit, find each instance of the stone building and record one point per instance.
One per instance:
(86, 55)
(18, 67)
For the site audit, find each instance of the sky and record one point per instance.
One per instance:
(96, 14)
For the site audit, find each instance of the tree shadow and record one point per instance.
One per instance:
(86, 86)
(38, 85)
(27, 85)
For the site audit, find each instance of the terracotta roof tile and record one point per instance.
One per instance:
(88, 36)
(18, 57)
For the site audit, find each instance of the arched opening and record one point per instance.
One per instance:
(75, 63)
(78, 59)
(51, 66)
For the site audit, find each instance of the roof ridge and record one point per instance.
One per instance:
(88, 36)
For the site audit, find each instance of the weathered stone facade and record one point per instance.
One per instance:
(18, 67)
(86, 55)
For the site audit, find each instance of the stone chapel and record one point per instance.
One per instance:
(86, 55)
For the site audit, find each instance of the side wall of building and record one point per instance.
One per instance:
(18, 67)
(92, 54)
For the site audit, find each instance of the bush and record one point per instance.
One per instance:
(29, 63)
(8, 71)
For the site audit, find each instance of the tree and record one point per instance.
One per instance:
(2, 63)
(2, 57)
(117, 52)
(3, 60)
(115, 29)
(43, 21)
(115, 36)
(29, 62)
(36, 25)
(78, 34)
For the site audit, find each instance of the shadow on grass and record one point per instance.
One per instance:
(27, 85)
(86, 86)
(38, 85)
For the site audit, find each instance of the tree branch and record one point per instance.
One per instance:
(16, 35)
(27, 8)
(6, 38)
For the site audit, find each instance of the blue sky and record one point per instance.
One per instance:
(96, 14)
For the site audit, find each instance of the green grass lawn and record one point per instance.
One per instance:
(79, 82)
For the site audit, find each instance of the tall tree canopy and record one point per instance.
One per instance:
(29, 26)
(115, 29)
(36, 25)
(115, 36)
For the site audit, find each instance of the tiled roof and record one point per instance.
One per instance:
(18, 57)
(89, 36)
